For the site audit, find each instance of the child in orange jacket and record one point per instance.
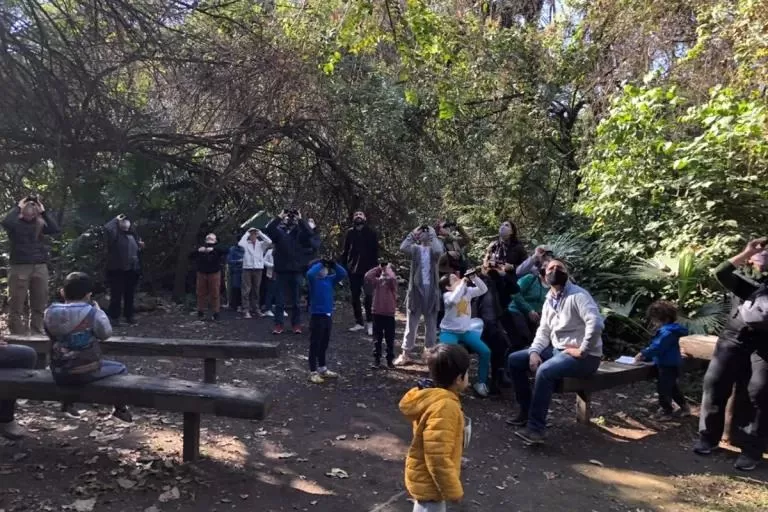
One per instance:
(433, 463)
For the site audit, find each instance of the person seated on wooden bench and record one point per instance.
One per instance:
(13, 356)
(567, 344)
(75, 328)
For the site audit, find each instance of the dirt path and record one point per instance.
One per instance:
(623, 462)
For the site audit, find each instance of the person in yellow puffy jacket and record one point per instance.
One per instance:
(433, 463)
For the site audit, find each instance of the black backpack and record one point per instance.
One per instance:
(754, 310)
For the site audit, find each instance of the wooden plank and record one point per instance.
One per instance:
(609, 375)
(191, 450)
(202, 349)
(698, 347)
(160, 393)
(583, 407)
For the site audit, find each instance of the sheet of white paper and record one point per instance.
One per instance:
(626, 360)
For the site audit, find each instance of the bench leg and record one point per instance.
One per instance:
(191, 436)
(209, 371)
(583, 407)
(42, 362)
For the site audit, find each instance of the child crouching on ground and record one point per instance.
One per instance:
(454, 328)
(664, 351)
(322, 277)
(383, 282)
(433, 463)
(75, 329)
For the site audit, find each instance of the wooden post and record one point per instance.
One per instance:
(209, 370)
(191, 436)
(583, 407)
(42, 362)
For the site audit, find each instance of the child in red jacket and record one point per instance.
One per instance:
(383, 282)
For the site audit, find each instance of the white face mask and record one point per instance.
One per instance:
(311, 224)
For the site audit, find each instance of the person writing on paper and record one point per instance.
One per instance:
(568, 343)
(664, 351)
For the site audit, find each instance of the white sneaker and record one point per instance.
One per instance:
(285, 314)
(269, 314)
(481, 389)
(369, 328)
(403, 359)
(13, 431)
(356, 328)
(247, 315)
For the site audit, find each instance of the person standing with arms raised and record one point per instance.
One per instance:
(361, 254)
(26, 225)
(123, 268)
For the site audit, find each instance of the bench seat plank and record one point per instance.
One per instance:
(160, 393)
(609, 375)
(202, 349)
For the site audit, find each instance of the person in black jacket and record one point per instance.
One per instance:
(26, 225)
(123, 267)
(292, 239)
(740, 350)
(361, 254)
(209, 258)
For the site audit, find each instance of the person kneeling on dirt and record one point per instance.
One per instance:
(75, 328)
(567, 344)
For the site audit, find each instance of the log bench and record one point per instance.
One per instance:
(208, 350)
(609, 375)
(160, 393)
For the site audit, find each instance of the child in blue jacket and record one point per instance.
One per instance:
(664, 351)
(322, 277)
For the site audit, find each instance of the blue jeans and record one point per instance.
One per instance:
(14, 356)
(556, 366)
(471, 339)
(108, 369)
(290, 283)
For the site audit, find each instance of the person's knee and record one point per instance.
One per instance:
(25, 357)
(518, 360)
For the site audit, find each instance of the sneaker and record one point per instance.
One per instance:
(356, 328)
(403, 359)
(13, 431)
(328, 374)
(121, 412)
(315, 378)
(481, 389)
(369, 328)
(297, 329)
(278, 329)
(683, 412)
(248, 315)
(530, 436)
(745, 463)
(262, 314)
(269, 314)
(663, 415)
(520, 420)
(390, 365)
(285, 314)
(215, 317)
(704, 447)
(70, 410)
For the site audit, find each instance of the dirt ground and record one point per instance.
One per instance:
(624, 461)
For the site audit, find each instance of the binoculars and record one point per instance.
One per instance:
(32, 198)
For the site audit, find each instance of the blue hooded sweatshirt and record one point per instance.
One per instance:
(664, 349)
(321, 288)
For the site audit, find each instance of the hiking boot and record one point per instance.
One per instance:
(278, 329)
(683, 412)
(390, 365)
(481, 388)
(356, 328)
(704, 447)
(13, 431)
(745, 463)
(70, 410)
(530, 436)
(663, 415)
(403, 359)
(248, 315)
(315, 378)
(520, 420)
(328, 374)
(121, 412)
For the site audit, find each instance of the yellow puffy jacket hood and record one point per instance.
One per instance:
(433, 464)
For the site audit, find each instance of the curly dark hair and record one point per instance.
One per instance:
(662, 311)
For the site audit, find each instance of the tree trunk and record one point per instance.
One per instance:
(188, 242)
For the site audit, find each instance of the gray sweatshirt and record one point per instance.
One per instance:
(61, 319)
(575, 323)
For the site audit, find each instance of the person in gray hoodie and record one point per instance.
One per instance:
(568, 343)
(75, 328)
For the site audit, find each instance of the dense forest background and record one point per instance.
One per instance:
(631, 134)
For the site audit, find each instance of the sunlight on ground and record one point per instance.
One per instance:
(624, 427)
(688, 493)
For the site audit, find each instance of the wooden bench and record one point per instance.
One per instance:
(207, 350)
(609, 375)
(161, 393)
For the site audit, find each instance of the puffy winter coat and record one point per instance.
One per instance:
(433, 463)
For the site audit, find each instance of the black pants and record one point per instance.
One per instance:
(356, 286)
(122, 287)
(319, 337)
(497, 340)
(518, 328)
(732, 360)
(384, 328)
(668, 388)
